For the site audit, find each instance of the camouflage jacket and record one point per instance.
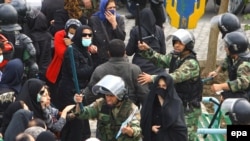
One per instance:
(190, 69)
(242, 80)
(109, 120)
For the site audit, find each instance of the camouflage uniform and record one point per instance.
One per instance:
(238, 78)
(109, 119)
(188, 70)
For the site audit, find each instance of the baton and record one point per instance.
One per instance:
(73, 68)
(138, 20)
(204, 80)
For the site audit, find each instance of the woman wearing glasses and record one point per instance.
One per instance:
(66, 89)
(83, 63)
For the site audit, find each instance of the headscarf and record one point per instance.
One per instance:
(77, 39)
(34, 131)
(12, 75)
(29, 93)
(102, 9)
(18, 124)
(46, 136)
(7, 116)
(172, 102)
(147, 20)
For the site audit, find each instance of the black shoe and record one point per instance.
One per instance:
(130, 16)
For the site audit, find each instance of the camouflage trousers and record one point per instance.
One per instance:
(191, 119)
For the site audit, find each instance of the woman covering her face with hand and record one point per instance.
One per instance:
(35, 94)
(106, 24)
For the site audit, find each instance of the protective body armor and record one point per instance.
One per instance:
(232, 75)
(188, 90)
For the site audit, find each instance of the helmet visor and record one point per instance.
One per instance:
(228, 104)
(110, 84)
(184, 36)
(216, 19)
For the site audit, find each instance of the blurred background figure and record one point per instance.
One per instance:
(106, 24)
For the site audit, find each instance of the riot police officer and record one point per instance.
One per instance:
(227, 23)
(23, 46)
(185, 70)
(238, 110)
(237, 65)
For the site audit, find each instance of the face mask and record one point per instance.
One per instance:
(1, 58)
(86, 42)
(160, 91)
(112, 11)
(70, 35)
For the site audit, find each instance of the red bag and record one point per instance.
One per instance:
(8, 50)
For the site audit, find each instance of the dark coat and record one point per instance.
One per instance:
(18, 124)
(84, 69)
(156, 42)
(171, 114)
(120, 67)
(49, 8)
(103, 32)
(9, 112)
(73, 130)
(37, 30)
(12, 75)
(11, 83)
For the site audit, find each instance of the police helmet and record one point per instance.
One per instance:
(185, 37)
(238, 109)
(72, 23)
(8, 18)
(227, 23)
(20, 6)
(110, 84)
(236, 42)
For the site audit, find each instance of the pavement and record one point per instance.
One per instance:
(201, 33)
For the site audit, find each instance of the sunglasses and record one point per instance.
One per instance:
(86, 34)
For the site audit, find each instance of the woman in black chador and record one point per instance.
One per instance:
(162, 115)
